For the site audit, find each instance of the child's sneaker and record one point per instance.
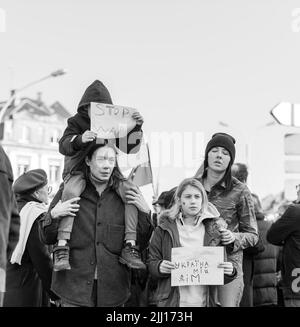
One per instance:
(131, 257)
(61, 258)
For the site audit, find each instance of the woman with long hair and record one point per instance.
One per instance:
(235, 204)
(191, 222)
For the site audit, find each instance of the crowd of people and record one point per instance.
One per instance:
(98, 244)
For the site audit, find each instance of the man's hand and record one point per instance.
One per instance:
(88, 136)
(227, 236)
(138, 118)
(67, 208)
(135, 197)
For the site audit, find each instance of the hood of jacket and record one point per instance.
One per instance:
(210, 212)
(169, 224)
(96, 92)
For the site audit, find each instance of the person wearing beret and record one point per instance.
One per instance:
(9, 218)
(234, 202)
(29, 271)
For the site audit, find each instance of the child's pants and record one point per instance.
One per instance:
(131, 212)
(74, 185)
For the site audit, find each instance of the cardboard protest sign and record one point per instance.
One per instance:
(197, 266)
(110, 121)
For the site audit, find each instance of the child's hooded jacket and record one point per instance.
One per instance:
(71, 146)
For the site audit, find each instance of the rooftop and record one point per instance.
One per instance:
(37, 107)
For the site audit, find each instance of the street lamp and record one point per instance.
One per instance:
(13, 92)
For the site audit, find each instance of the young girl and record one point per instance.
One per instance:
(191, 222)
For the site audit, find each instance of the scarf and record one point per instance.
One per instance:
(29, 213)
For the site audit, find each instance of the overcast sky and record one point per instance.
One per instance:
(184, 64)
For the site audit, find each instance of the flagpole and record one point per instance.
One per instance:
(157, 183)
(132, 173)
(150, 168)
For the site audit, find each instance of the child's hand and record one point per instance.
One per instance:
(227, 236)
(88, 136)
(166, 266)
(138, 118)
(66, 208)
(228, 267)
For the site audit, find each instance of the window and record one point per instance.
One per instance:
(8, 129)
(292, 167)
(25, 136)
(292, 144)
(23, 165)
(54, 173)
(55, 136)
(40, 133)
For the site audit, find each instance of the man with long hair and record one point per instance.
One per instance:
(97, 277)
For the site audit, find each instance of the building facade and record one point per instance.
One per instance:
(30, 135)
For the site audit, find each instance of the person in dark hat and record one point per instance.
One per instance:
(75, 143)
(30, 268)
(159, 207)
(170, 197)
(161, 199)
(9, 218)
(32, 181)
(235, 204)
(164, 201)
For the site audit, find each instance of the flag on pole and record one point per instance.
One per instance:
(142, 174)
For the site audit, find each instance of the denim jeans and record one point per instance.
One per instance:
(74, 185)
(131, 212)
(230, 294)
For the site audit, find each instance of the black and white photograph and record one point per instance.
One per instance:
(149, 156)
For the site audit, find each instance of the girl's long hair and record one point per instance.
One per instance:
(116, 175)
(174, 211)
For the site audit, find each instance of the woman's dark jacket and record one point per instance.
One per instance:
(97, 240)
(265, 267)
(26, 283)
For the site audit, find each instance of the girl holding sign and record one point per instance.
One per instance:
(191, 222)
